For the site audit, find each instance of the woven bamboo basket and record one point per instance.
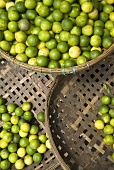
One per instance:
(69, 70)
(72, 108)
(17, 85)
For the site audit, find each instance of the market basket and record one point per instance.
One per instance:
(69, 70)
(72, 108)
(17, 85)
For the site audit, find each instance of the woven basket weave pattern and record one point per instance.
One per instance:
(72, 109)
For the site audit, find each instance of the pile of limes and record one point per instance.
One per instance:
(56, 33)
(21, 142)
(106, 123)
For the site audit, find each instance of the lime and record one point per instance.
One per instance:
(109, 25)
(84, 40)
(95, 40)
(38, 21)
(26, 106)
(98, 30)
(65, 7)
(112, 122)
(103, 109)
(32, 137)
(12, 147)
(48, 145)
(30, 4)
(32, 62)
(103, 16)
(93, 14)
(112, 32)
(81, 21)
(13, 26)
(57, 15)
(24, 141)
(20, 7)
(64, 36)
(108, 129)
(21, 152)
(14, 119)
(109, 140)
(11, 107)
(8, 137)
(13, 157)
(42, 138)
(28, 115)
(53, 64)
(44, 52)
(3, 108)
(62, 47)
(106, 100)
(111, 112)
(99, 124)
(31, 52)
(6, 117)
(43, 11)
(37, 157)
(19, 111)
(2, 133)
(36, 30)
(74, 51)
(108, 8)
(32, 40)
(69, 63)
(19, 164)
(42, 148)
(24, 24)
(56, 27)
(105, 117)
(111, 16)
(87, 30)
(15, 129)
(5, 164)
(44, 36)
(34, 129)
(73, 40)
(56, 4)
(22, 57)
(3, 144)
(107, 42)
(4, 154)
(7, 126)
(67, 24)
(13, 15)
(81, 60)
(48, 2)
(34, 143)
(30, 151)
(20, 48)
(94, 54)
(86, 54)
(31, 14)
(20, 36)
(76, 30)
(41, 117)
(106, 33)
(16, 138)
(28, 160)
(42, 61)
(25, 127)
(45, 25)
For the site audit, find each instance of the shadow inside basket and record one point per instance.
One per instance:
(73, 108)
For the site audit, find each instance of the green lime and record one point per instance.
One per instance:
(108, 129)
(94, 54)
(12, 147)
(34, 129)
(30, 151)
(19, 111)
(42, 61)
(15, 129)
(106, 100)
(42, 138)
(53, 64)
(11, 107)
(41, 116)
(26, 106)
(34, 143)
(28, 115)
(62, 47)
(4, 154)
(103, 109)
(13, 157)
(5, 164)
(24, 141)
(67, 24)
(105, 117)
(43, 11)
(69, 63)
(6, 117)
(109, 140)
(37, 157)
(107, 42)
(3, 108)
(112, 101)
(2, 100)
(16, 138)
(7, 126)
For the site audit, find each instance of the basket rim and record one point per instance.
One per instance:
(54, 148)
(63, 71)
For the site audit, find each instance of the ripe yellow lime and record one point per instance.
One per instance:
(48, 145)
(25, 127)
(22, 134)
(74, 51)
(99, 124)
(19, 164)
(42, 148)
(21, 152)
(2, 4)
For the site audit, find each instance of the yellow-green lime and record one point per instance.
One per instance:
(99, 124)
(19, 164)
